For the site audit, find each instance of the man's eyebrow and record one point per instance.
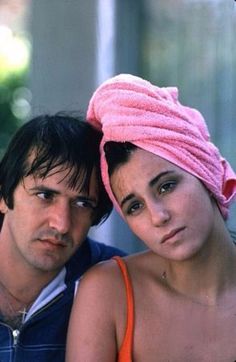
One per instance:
(43, 188)
(79, 196)
(151, 183)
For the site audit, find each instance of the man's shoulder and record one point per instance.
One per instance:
(90, 253)
(101, 251)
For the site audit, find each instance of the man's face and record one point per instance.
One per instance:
(48, 222)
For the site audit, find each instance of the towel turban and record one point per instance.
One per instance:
(127, 108)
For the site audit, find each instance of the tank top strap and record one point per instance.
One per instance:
(125, 352)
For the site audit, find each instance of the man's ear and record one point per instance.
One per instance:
(3, 206)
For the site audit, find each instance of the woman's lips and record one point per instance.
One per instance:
(171, 234)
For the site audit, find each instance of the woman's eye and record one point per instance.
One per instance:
(167, 187)
(133, 208)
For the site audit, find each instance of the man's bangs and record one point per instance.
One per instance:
(45, 164)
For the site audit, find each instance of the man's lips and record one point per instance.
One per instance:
(53, 242)
(171, 234)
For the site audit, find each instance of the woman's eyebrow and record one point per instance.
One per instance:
(125, 199)
(153, 181)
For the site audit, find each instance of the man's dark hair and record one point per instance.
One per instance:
(48, 141)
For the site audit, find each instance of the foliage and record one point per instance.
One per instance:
(9, 122)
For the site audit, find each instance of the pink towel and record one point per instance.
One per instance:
(129, 108)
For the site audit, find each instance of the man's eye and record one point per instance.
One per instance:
(167, 187)
(86, 203)
(45, 195)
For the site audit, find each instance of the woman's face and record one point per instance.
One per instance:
(166, 207)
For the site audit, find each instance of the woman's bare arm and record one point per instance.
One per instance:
(91, 334)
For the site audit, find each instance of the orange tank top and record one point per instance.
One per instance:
(125, 352)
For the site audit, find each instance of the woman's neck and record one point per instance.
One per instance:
(207, 276)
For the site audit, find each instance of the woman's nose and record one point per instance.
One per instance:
(158, 213)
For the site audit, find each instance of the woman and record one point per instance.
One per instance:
(177, 300)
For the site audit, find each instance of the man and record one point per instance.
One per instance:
(50, 195)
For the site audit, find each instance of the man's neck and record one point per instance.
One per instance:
(20, 286)
(18, 294)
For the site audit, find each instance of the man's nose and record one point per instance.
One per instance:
(60, 217)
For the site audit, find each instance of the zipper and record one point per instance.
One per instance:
(15, 335)
(46, 305)
(16, 332)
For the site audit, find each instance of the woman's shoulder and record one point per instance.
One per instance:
(104, 276)
(140, 266)
(145, 265)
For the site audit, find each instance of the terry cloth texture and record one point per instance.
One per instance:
(127, 108)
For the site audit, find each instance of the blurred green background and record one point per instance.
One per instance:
(14, 69)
